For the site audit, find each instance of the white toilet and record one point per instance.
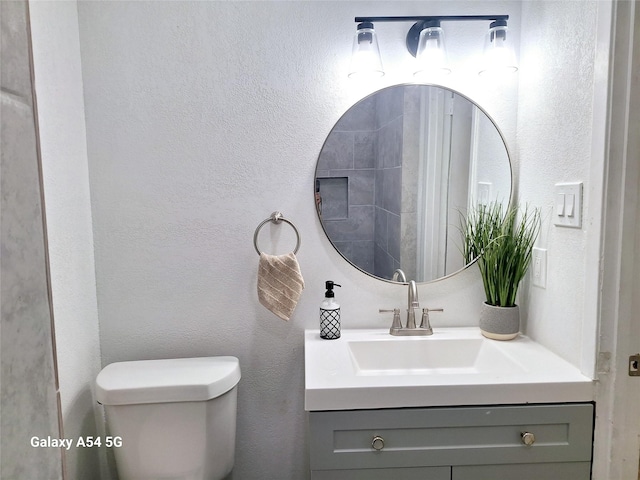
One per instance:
(175, 419)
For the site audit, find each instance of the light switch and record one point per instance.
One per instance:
(560, 204)
(569, 200)
(568, 205)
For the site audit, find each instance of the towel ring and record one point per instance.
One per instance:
(276, 217)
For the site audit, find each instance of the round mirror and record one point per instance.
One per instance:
(397, 172)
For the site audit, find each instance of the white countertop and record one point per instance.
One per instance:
(333, 381)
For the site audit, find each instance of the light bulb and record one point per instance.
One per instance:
(431, 56)
(365, 56)
(499, 57)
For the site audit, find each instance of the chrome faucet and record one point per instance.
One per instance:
(412, 304)
(410, 328)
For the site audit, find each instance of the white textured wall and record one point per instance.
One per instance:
(557, 141)
(58, 83)
(202, 119)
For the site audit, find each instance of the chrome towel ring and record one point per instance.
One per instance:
(276, 217)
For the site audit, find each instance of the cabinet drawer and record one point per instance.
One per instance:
(535, 471)
(423, 437)
(420, 473)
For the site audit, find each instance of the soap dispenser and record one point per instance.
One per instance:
(330, 314)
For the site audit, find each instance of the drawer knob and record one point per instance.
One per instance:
(377, 443)
(528, 438)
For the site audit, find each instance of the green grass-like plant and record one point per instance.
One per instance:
(502, 243)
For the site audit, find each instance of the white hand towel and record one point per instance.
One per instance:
(280, 283)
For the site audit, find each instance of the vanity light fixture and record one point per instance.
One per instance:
(425, 41)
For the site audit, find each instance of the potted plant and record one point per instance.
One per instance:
(502, 243)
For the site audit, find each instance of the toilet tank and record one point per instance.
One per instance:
(176, 418)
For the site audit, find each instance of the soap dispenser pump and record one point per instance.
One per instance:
(330, 313)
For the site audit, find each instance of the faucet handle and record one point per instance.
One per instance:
(425, 317)
(397, 323)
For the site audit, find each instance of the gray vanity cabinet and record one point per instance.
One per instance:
(426, 473)
(453, 443)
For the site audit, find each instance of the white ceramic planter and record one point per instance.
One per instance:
(499, 323)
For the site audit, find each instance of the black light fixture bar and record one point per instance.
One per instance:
(422, 22)
(442, 18)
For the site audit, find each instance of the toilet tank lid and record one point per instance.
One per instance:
(170, 380)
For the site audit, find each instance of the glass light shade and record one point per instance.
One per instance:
(499, 56)
(431, 56)
(365, 57)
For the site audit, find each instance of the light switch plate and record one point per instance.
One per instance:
(484, 193)
(539, 267)
(567, 210)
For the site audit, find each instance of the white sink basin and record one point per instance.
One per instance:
(427, 356)
(366, 369)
